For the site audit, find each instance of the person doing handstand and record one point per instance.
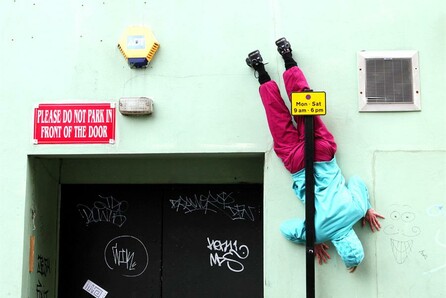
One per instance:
(339, 205)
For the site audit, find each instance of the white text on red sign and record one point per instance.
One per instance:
(74, 123)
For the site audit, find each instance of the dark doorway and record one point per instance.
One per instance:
(140, 241)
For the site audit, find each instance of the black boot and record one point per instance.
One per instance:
(283, 46)
(255, 61)
(284, 49)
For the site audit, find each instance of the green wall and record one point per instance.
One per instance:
(207, 107)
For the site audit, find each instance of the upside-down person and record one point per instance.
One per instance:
(339, 205)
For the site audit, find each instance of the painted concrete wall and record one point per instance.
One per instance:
(206, 102)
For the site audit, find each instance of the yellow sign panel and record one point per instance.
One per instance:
(308, 103)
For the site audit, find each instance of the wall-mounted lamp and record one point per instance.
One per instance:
(138, 45)
(135, 105)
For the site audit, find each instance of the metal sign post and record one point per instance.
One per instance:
(309, 204)
(308, 104)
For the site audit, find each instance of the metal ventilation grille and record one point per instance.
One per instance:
(389, 80)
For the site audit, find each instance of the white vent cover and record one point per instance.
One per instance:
(388, 81)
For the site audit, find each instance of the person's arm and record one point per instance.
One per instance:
(372, 217)
(321, 253)
(323, 256)
(294, 230)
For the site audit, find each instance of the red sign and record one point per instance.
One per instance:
(75, 123)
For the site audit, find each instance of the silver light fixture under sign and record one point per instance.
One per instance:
(135, 105)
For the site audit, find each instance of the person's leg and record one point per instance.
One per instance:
(287, 145)
(295, 81)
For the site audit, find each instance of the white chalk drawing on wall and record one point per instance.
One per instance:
(217, 203)
(106, 209)
(126, 254)
(228, 252)
(437, 210)
(442, 244)
(401, 229)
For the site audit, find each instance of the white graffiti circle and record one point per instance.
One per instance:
(126, 254)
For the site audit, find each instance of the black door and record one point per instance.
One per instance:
(110, 241)
(161, 241)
